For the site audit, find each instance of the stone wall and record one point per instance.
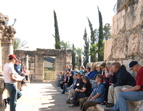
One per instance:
(127, 29)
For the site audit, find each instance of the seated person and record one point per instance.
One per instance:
(97, 95)
(79, 84)
(130, 94)
(81, 93)
(93, 73)
(59, 78)
(63, 80)
(121, 78)
(87, 71)
(82, 68)
(68, 82)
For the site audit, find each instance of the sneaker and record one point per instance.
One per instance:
(69, 101)
(108, 105)
(72, 106)
(66, 92)
(107, 109)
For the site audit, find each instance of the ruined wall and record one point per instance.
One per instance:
(36, 61)
(127, 29)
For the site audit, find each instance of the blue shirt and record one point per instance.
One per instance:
(92, 74)
(98, 89)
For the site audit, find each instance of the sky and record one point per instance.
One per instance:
(35, 20)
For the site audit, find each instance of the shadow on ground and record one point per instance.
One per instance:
(57, 101)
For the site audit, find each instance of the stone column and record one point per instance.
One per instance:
(1, 92)
(27, 64)
(0, 58)
(11, 46)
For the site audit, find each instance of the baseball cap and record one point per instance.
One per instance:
(12, 56)
(132, 64)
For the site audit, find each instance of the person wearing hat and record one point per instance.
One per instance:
(132, 94)
(10, 78)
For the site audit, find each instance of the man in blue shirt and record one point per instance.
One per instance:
(97, 96)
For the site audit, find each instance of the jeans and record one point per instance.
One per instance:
(14, 95)
(122, 105)
(65, 86)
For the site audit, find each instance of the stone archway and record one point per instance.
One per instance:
(36, 61)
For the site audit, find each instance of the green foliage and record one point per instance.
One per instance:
(94, 51)
(92, 35)
(19, 44)
(86, 49)
(56, 36)
(101, 38)
(65, 45)
(107, 31)
(79, 53)
(73, 56)
(92, 39)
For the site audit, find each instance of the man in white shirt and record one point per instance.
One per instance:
(10, 78)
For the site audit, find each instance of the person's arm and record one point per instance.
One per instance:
(96, 96)
(100, 91)
(89, 97)
(81, 90)
(12, 77)
(135, 88)
(122, 79)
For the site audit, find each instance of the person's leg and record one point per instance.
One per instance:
(117, 90)
(19, 94)
(82, 101)
(88, 104)
(13, 96)
(111, 94)
(70, 93)
(124, 96)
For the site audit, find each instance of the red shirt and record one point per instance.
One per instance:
(139, 78)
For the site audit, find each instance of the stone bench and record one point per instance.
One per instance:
(133, 106)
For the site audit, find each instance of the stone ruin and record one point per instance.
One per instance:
(6, 47)
(127, 30)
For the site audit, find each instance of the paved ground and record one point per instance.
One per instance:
(43, 97)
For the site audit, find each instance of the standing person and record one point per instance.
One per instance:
(130, 94)
(9, 75)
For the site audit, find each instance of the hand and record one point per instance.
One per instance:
(125, 90)
(92, 98)
(77, 89)
(88, 99)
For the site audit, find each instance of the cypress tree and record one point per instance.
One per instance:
(92, 39)
(73, 56)
(56, 36)
(86, 49)
(101, 38)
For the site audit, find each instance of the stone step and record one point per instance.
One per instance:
(98, 107)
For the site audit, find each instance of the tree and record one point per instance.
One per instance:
(92, 38)
(19, 44)
(65, 45)
(86, 49)
(73, 56)
(79, 54)
(101, 38)
(56, 36)
(107, 31)
(94, 50)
